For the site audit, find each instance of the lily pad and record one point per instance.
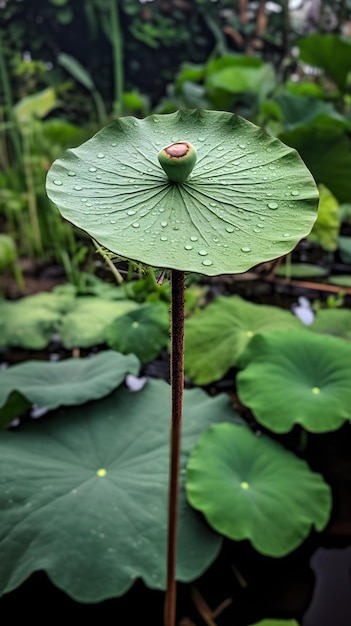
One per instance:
(30, 322)
(301, 270)
(250, 487)
(249, 198)
(342, 280)
(216, 336)
(84, 495)
(85, 325)
(336, 322)
(297, 378)
(143, 331)
(69, 382)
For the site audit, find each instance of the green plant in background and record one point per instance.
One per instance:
(296, 378)
(216, 337)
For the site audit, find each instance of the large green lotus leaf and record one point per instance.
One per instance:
(85, 325)
(216, 336)
(250, 487)
(68, 382)
(30, 322)
(249, 198)
(144, 331)
(329, 52)
(84, 494)
(327, 153)
(335, 322)
(297, 378)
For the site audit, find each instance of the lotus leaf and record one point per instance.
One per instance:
(250, 487)
(143, 331)
(297, 378)
(94, 480)
(326, 150)
(68, 382)
(249, 198)
(301, 270)
(30, 322)
(335, 322)
(216, 336)
(85, 325)
(329, 52)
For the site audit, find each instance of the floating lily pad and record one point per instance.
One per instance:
(69, 382)
(335, 322)
(250, 487)
(343, 280)
(297, 378)
(85, 325)
(249, 198)
(216, 336)
(301, 270)
(84, 495)
(30, 322)
(143, 331)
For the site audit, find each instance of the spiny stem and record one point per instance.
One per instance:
(177, 390)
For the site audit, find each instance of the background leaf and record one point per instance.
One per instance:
(296, 378)
(246, 486)
(85, 325)
(68, 382)
(94, 479)
(143, 331)
(216, 336)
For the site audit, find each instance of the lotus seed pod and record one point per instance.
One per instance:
(178, 160)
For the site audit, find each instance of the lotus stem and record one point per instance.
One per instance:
(177, 390)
